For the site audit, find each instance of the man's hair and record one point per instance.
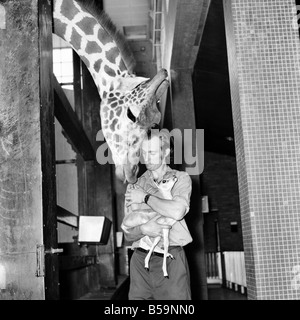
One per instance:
(165, 138)
(162, 134)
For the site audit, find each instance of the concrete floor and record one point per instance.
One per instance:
(215, 292)
(118, 293)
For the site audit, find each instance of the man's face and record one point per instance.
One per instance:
(152, 155)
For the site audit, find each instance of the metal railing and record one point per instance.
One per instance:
(213, 267)
(233, 265)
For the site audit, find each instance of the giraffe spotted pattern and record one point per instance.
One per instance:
(128, 103)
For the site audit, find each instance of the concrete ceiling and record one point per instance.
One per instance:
(194, 39)
(211, 85)
(199, 44)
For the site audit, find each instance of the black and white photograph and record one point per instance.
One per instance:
(149, 150)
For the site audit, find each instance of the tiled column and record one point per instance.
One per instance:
(264, 62)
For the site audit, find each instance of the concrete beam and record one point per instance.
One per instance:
(189, 26)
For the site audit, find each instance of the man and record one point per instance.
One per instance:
(152, 284)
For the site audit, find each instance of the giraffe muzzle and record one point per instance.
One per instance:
(161, 89)
(150, 115)
(158, 80)
(127, 173)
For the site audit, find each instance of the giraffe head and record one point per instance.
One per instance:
(167, 183)
(128, 110)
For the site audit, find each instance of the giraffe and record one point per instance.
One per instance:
(142, 213)
(128, 106)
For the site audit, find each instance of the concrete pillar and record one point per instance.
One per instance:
(183, 116)
(186, 20)
(263, 53)
(27, 180)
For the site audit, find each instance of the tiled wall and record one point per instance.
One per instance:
(263, 53)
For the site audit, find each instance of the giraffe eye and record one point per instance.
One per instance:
(164, 181)
(130, 115)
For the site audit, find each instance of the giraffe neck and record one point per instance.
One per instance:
(91, 41)
(128, 103)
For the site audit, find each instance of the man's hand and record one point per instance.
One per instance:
(134, 194)
(153, 229)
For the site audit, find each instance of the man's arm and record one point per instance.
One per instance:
(175, 208)
(132, 234)
(169, 208)
(150, 228)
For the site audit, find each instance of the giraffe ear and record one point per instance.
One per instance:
(128, 83)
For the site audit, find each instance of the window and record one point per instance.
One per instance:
(63, 62)
(63, 65)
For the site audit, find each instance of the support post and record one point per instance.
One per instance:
(263, 56)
